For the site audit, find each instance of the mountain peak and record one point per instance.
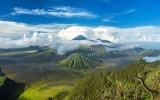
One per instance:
(80, 37)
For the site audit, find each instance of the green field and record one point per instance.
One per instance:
(43, 91)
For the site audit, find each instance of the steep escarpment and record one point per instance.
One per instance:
(10, 90)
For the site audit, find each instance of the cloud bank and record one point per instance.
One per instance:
(62, 46)
(113, 34)
(152, 59)
(125, 46)
(10, 29)
(13, 31)
(36, 39)
(70, 45)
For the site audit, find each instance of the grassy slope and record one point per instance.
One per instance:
(55, 81)
(120, 84)
(2, 78)
(41, 93)
(79, 61)
(51, 83)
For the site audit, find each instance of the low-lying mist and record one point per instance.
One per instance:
(152, 59)
(62, 46)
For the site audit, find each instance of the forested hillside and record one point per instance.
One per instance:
(139, 81)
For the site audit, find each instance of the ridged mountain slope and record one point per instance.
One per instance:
(79, 61)
(99, 52)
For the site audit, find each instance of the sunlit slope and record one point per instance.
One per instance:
(79, 61)
(50, 83)
(2, 78)
(139, 81)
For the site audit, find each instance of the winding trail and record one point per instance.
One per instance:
(145, 87)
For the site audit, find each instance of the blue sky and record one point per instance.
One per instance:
(118, 13)
(113, 20)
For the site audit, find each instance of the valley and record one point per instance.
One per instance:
(46, 73)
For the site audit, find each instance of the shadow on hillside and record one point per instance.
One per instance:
(11, 90)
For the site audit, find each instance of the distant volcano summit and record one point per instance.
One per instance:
(80, 37)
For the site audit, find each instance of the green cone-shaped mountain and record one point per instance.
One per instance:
(79, 61)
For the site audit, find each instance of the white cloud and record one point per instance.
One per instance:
(152, 59)
(25, 41)
(114, 34)
(62, 46)
(69, 45)
(130, 11)
(109, 19)
(124, 46)
(89, 32)
(14, 30)
(61, 11)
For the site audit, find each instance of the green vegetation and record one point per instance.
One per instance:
(79, 61)
(50, 84)
(2, 78)
(139, 81)
(43, 91)
(60, 95)
(56, 83)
